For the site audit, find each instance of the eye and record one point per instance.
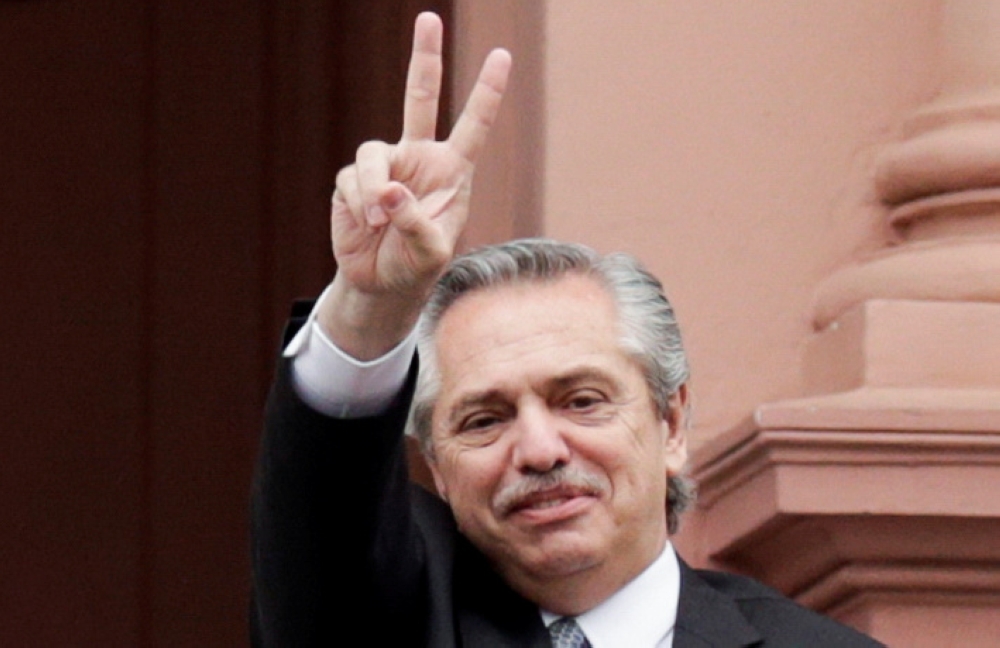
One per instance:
(584, 400)
(479, 421)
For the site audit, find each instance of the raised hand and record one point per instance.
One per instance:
(399, 210)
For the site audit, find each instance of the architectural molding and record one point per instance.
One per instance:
(856, 501)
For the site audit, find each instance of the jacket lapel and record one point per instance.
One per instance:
(707, 618)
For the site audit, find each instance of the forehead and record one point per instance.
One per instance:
(516, 330)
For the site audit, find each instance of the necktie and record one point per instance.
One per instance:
(566, 633)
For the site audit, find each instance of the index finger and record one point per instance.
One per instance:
(423, 79)
(473, 125)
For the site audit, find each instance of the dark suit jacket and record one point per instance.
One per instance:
(342, 540)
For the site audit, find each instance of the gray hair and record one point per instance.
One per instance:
(650, 334)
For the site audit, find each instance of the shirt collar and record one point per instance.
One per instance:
(641, 614)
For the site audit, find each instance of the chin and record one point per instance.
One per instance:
(559, 559)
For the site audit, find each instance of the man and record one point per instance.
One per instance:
(550, 406)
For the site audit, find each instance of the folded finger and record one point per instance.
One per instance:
(372, 179)
(347, 195)
(473, 125)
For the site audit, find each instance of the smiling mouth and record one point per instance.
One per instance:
(562, 501)
(548, 503)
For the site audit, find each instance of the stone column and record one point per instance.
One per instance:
(875, 497)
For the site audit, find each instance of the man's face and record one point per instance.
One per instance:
(548, 446)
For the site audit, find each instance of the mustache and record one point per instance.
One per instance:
(562, 478)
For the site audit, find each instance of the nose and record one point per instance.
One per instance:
(539, 445)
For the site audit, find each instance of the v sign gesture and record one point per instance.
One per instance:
(399, 210)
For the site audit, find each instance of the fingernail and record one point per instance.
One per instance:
(377, 216)
(393, 200)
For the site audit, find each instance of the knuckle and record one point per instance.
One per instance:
(344, 176)
(421, 93)
(369, 148)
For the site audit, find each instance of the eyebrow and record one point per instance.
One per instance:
(583, 374)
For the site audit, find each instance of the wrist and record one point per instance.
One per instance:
(366, 325)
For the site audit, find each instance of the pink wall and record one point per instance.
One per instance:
(725, 144)
(818, 186)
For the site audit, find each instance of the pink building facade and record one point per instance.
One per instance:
(818, 186)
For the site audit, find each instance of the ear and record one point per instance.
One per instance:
(675, 437)
(439, 483)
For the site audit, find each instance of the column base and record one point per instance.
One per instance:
(871, 506)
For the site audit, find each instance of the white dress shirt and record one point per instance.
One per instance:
(640, 615)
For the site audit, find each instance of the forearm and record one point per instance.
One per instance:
(328, 494)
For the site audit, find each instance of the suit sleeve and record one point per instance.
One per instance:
(332, 538)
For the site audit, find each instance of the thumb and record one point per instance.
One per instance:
(426, 242)
(401, 207)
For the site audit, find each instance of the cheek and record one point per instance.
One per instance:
(637, 469)
(469, 477)
(632, 446)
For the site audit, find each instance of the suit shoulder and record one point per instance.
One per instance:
(780, 620)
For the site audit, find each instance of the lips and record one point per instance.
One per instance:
(547, 499)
